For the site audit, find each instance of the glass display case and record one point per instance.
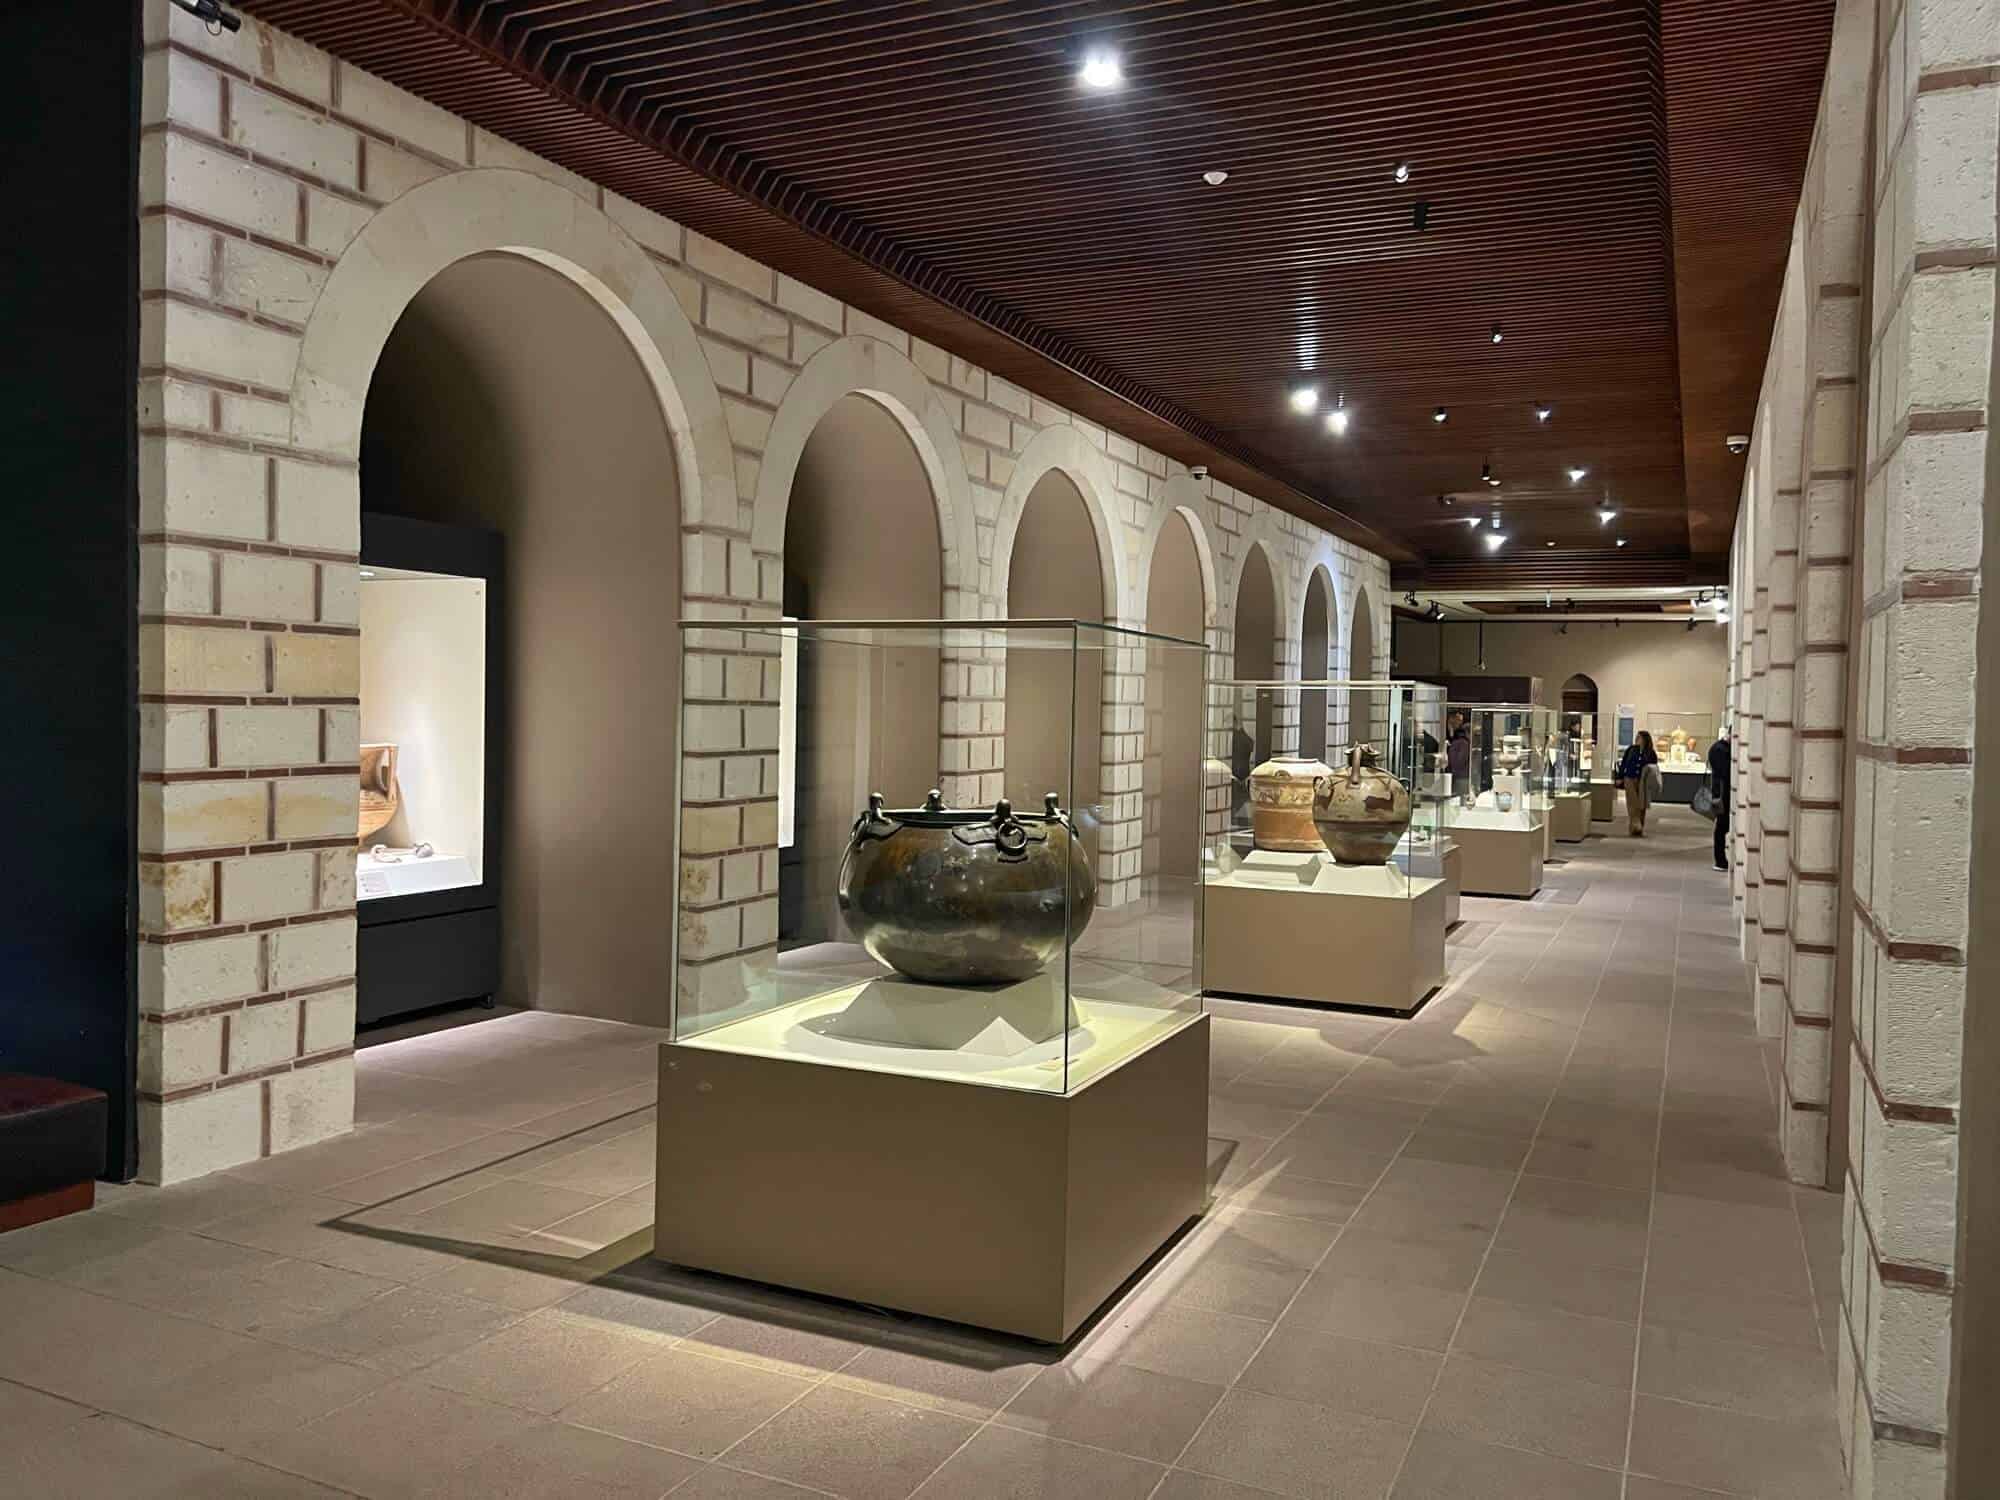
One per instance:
(963, 1071)
(432, 761)
(978, 898)
(1588, 763)
(1681, 738)
(1497, 814)
(1324, 868)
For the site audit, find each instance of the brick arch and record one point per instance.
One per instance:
(1064, 449)
(1183, 497)
(486, 210)
(859, 366)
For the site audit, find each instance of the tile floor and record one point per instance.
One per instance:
(1531, 1244)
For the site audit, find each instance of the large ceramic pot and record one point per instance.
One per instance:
(966, 896)
(1361, 811)
(1281, 804)
(381, 792)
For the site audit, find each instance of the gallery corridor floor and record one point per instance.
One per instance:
(1531, 1244)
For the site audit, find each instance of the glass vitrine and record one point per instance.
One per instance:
(940, 849)
(1681, 738)
(1498, 760)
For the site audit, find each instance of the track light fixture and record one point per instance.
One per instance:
(1621, 541)
(1446, 502)
(1305, 398)
(211, 14)
(1411, 598)
(1336, 420)
(1402, 173)
(1436, 611)
(1486, 473)
(1497, 333)
(1543, 411)
(1576, 473)
(1440, 415)
(1604, 514)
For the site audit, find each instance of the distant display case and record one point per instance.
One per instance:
(1325, 869)
(966, 1074)
(1498, 812)
(1681, 740)
(427, 867)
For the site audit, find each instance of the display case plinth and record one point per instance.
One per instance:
(1454, 882)
(1569, 817)
(1499, 859)
(1679, 784)
(1015, 1209)
(1603, 801)
(1328, 934)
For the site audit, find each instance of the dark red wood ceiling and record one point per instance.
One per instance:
(1587, 166)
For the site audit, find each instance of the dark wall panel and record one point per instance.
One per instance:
(68, 284)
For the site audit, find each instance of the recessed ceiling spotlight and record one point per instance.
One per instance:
(1101, 70)
(1336, 420)
(1402, 171)
(1446, 501)
(1215, 179)
(1305, 398)
(1548, 544)
(1497, 334)
(1495, 540)
(1543, 411)
(1486, 473)
(1474, 521)
(1439, 415)
(1621, 541)
(1576, 473)
(1604, 515)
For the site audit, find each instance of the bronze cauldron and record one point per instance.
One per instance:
(949, 896)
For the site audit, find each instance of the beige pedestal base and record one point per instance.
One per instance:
(1500, 861)
(1454, 882)
(1006, 1208)
(1569, 818)
(1370, 937)
(1603, 801)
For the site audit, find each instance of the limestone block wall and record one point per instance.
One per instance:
(291, 207)
(1876, 401)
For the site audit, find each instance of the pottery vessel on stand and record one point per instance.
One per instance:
(381, 793)
(1281, 804)
(1362, 811)
(966, 896)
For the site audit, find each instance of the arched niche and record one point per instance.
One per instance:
(861, 543)
(1316, 654)
(1254, 644)
(1368, 719)
(506, 398)
(1055, 572)
(1177, 604)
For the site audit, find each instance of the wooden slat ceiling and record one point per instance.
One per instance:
(1587, 166)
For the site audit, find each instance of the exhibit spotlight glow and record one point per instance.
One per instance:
(1101, 70)
(1305, 398)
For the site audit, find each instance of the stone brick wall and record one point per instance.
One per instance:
(1877, 395)
(290, 208)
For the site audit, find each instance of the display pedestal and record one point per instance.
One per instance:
(1013, 1209)
(1569, 817)
(1454, 882)
(1603, 801)
(1500, 859)
(1326, 933)
(1678, 784)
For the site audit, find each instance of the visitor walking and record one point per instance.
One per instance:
(1638, 772)
(1458, 760)
(1718, 788)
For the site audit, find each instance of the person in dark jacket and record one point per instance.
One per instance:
(1639, 758)
(1718, 788)
(1458, 760)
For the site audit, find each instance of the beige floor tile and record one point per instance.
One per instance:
(657, 1308)
(1324, 1369)
(1725, 1313)
(1246, 1289)
(1108, 1405)
(510, 1208)
(1253, 1236)
(106, 1456)
(804, 1346)
(1442, 1466)
(687, 1402)
(322, 1230)
(856, 1446)
(253, 1395)
(394, 1442)
(1637, 1487)
(1176, 1340)
(543, 1363)
(1279, 1190)
(1185, 1484)
(428, 1181)
(1003, 1464)
(189, 1205)
(966, 1383)
(103, 1353)
(65, 1247)
(1292, 1448)
(1417, 1317)
(1549, 1340)
(1592, 1291)
(608, 1223)
(554, 1459)
(1516, 1408)
(403, 1330)
(1446, 1264)
(1782, 1384)
(27, 1414)
(1709, 1448)
(524, 1284)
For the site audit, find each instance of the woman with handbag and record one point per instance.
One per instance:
(1718, 790)
(1637, 772)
